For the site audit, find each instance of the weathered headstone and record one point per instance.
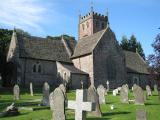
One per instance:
(148, 90)
(58, 104)
(31, 89)
(51, 102)
(115, 92)
(16, 92)
(10, 111)
(141, 114)
(45, 100)
(93, 97)
(138, 94)
(124, 94)
(101, 93)
(81, 105)
(63, 88)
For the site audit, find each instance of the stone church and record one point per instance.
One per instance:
(93, 59)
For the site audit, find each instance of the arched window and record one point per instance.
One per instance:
(97, 23)
(39, 68)
(102, 25)
(83, 26)
(87, 24)
(34, 68)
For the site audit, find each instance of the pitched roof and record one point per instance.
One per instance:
(87, 44)
(72, 68)
(135, 63)
(43, 48)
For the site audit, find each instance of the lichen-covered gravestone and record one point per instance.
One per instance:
(93, 97)
(124, 94)
(148, 90)
(45, 100)
(16, 92)
(31, 89)
(51, 102)
(101, 93)
(58, 104)
(63, 88)
(138, 94)
(141, 114)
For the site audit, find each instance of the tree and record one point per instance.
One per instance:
(5, 37)
(132, 45)
(124, 43)
(154, 59)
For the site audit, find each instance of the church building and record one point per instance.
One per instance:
(93, 59)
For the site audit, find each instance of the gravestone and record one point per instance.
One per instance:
(81, 105)
(124, 94)
(51, 102)
(101, 93)
(155, 88)
(148, 90)
(58, 104)
(31, 89)
(115, 92)
(11, 110)
(141, 114)
(45, 100)
(138, 94)
(107, 83)
(93, 97)
(63, 88)
(16, 92)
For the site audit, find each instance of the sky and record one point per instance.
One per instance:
(57, 17)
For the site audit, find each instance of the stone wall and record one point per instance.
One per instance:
(76, 81)
(143, 80)
(85, 64)
(48, 72)
(109, 62)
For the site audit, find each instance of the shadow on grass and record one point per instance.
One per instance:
(94, 119)
(21, 114)
(151, 104)
(115, 113)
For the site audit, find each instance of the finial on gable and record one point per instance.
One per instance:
(91, 6)
(107, 13)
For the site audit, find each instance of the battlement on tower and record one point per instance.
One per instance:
(93, 15)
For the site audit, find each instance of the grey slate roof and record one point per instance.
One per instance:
(43, 48)
(135, 63)
(72, 68)
(87, 44)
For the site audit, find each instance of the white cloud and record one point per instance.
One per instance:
(23, 14)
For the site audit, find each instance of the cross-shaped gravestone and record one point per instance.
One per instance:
(81, 105)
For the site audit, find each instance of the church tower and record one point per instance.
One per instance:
(91, 23)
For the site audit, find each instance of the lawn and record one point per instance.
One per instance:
(121, 111)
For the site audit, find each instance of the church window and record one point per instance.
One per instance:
(34, 68)
(87, 24)
(83, 26)
(39, 68)
(102, 25)
(97, 23)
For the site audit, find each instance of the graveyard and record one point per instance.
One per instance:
(79, 60)
(30, 109)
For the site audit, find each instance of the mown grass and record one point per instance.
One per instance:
(121, 111)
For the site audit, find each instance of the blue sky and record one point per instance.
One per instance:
(56, 17)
